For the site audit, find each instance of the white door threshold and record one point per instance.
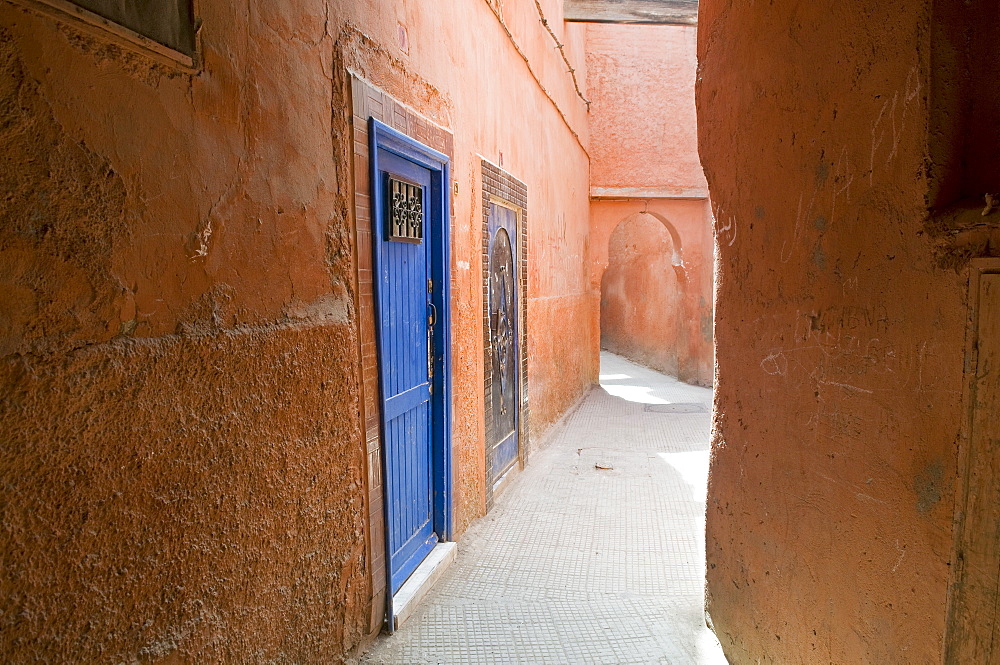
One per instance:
(504, 481)
(405, 601)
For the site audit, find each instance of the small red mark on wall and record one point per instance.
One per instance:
(404, 39)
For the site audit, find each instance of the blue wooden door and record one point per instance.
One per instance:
(405, 319)
(503, 311)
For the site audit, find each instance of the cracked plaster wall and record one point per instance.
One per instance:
(180, 413)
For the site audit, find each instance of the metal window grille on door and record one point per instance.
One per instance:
(406, 211)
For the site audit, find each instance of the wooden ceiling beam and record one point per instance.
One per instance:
(672, 12)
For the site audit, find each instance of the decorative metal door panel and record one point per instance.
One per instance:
(405, 339)
(503, 335)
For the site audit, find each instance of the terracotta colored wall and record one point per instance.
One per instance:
(645, 158)
(655, 288)
(179, 397)
(840, 324)
(185, 474)
(643, 122)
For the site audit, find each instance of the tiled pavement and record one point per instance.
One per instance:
(594, 553)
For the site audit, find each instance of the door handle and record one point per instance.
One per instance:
(430, 359)
(433, 316)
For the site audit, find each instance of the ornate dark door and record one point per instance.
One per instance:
(501, 453)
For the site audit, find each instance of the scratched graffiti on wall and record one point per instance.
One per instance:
(849, 347)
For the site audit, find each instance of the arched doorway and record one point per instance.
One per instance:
(644, 309)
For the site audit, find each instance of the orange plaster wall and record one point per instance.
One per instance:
(185, 472)
(643, 121)
(839, 332)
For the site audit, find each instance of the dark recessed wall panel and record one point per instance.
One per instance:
(169, 22)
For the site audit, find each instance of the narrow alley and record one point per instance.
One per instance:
(595, 552)
(303, 304)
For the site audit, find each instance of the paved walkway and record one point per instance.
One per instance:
(594, 553)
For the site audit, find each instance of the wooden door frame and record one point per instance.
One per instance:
(952, 646)
(383, 137)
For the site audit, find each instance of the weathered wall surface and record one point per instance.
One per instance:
(645, 158)
(183, 499)
(184, 472)
(655, 284)
(179, 409)
(839, 336)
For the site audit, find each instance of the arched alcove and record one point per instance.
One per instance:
(643, 291)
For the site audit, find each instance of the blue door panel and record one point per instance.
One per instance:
(403, 306)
